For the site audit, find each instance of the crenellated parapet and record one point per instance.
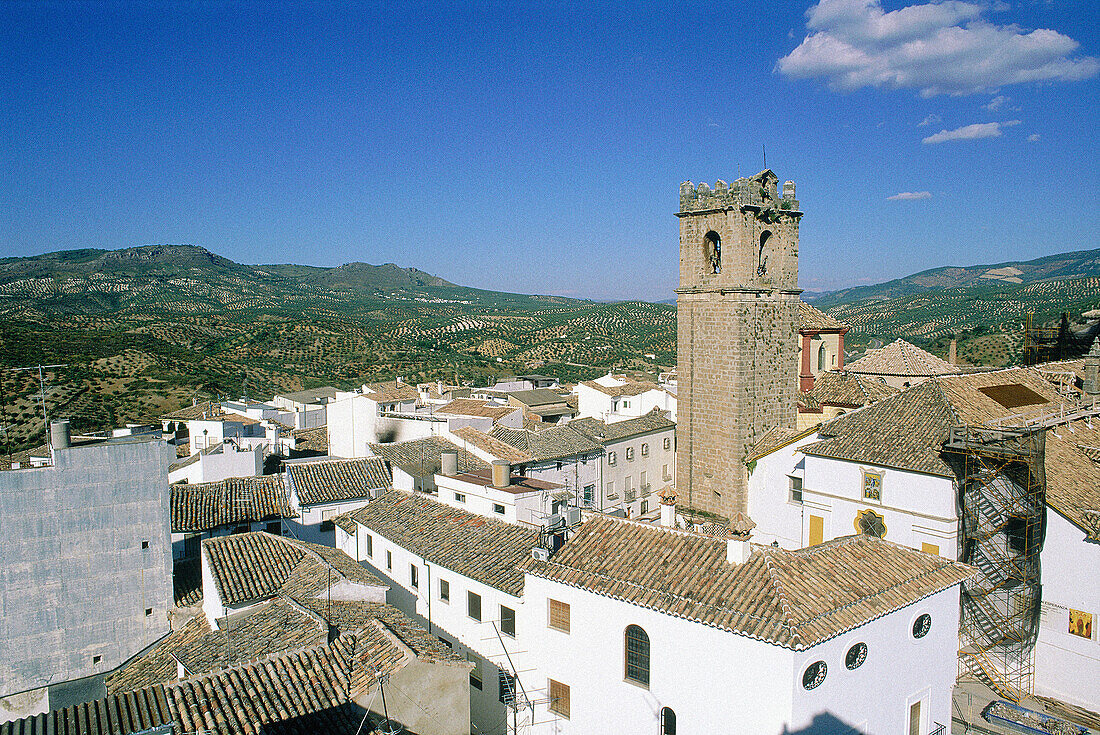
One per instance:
(758, 193)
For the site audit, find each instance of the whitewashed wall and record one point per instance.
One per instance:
(1067, 666)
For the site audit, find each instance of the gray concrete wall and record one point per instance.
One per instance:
(86, 550)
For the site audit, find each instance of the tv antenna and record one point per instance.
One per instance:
(41, 391)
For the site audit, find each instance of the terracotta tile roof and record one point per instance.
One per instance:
(137, 711)
(903, 360)
(603, 433)
(776, 438)
(255, 566)
(840, 388)
(193, 412)
(330, 481)
(311, 440)
(392, 392)
(480, 548)
(811, 319)
(476, 407)
(632, 388)
(794, 599)
(207, 505)
(1073, 474)
(421, 457)
(556, 441)
(495, 447)
(187, 582)
(537, 397)
(907, 430)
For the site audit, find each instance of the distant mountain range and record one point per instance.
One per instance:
(145, 330)
(1065, 266)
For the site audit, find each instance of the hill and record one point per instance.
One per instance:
(983, 306)
(144, 330)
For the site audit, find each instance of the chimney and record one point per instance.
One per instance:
(502, 473)
(59, 435)
(668, 507)
(449, 461)
(738, 549)
(953, 352)
(1092, 370)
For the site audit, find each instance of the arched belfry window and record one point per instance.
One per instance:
(821, 355)
(712, 251)
(637, 655)
(762, 258)
(668, 721)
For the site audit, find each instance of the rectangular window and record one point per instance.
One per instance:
(589, 494)
(507, 685)
(872, 485)
(507, 621)
(498, 508)
(370, 546)
(444, 590)
(475, 673)
(611, 490)
(817, 530)
(473, 605)
(664, 473)
(559, 698)
(645, 450)
(460, 497)
(414, 576)
(644, 482)
(611, 458)
(559, 615)
(389, 560)
(668, 443)
(795, 492)
(326, 520)
(630, 454)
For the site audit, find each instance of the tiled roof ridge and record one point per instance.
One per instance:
(777, 587)
(947, 401)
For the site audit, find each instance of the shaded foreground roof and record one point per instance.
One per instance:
(902, 359)
(255, 566)
(907, 430)
(422, 457)
(311, 440)
(794, 599)
(480, 548)
(329, 481)
(305, 691)
(811, 319)
(602, 432)
(207, 505)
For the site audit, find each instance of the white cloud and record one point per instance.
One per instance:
(937, 48)
(996, 103)
(930, 120)
(1033, 138)
(908, 196)
(971, 132)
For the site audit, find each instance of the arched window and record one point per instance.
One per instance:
(637, 655)
(821, 357)
(668, 721)
(762, 259)
(712, 251)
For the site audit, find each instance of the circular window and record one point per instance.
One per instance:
(857, 654)
(814, 675)
(922, 625)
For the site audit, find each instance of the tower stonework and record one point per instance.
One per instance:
(737, 349)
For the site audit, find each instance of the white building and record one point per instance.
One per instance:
(680, 630)
(614, 398)
(456, 573)
(218, 462)
(889, 470)
(415, 463)
(498, 493)
(371, 415)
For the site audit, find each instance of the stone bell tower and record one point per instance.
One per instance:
(737, 312)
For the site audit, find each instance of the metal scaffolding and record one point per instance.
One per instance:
(1002, 496)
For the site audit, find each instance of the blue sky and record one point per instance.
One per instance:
(539, 147)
